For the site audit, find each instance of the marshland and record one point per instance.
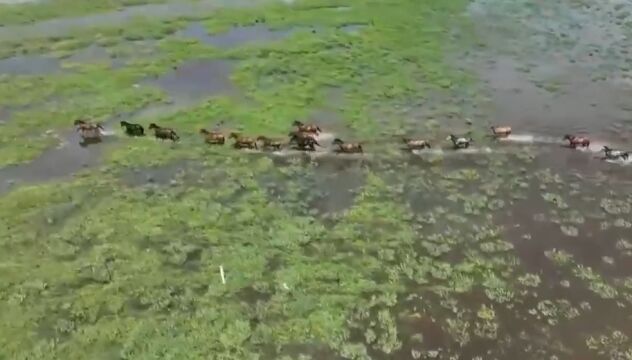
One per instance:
(135, 246)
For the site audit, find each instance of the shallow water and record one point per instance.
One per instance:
(197, 79)
(566, 73)
(90, 54)
(70, 156)
(429, 252)
(29, 65)
(580, 105)
(236, 36)
(65, 160)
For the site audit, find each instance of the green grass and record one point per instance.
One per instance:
(422, 263)
(38, 11)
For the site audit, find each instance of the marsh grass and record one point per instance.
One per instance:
(31, 12)
(426, 257)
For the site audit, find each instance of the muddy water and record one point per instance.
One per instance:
(566, 72)
(577, 105)
(562, 71)
(338, 182)
(234, 37)
(197, 79)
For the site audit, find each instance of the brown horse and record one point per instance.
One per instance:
(416, 144)
(86, 125)
(243, 142)
(308, 128)
(575, 141)
(90, 132)
(501, 131)
(347, 148)
(213, 137)
(269, 143)
(303, 140)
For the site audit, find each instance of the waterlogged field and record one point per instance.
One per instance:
(135, 248)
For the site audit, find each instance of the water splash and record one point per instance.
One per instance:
(428, 152)
(596, 146)
(475, 150)
(620, 161)
(531, 139)
(325, 136)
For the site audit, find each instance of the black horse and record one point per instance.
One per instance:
(133, 129)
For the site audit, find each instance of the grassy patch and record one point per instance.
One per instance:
(37, 11)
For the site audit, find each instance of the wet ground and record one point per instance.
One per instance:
(197, 79)
(517, 247)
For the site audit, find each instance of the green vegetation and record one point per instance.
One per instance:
(429, 257)
(11, 14)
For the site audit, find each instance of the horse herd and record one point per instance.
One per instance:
(304, 137)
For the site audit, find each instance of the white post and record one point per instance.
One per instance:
(221, 273)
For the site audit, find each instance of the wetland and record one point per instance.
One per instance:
(136, 248)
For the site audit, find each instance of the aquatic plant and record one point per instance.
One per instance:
(614, 345)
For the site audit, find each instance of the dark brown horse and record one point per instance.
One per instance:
(164, 133)
(304, 141)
